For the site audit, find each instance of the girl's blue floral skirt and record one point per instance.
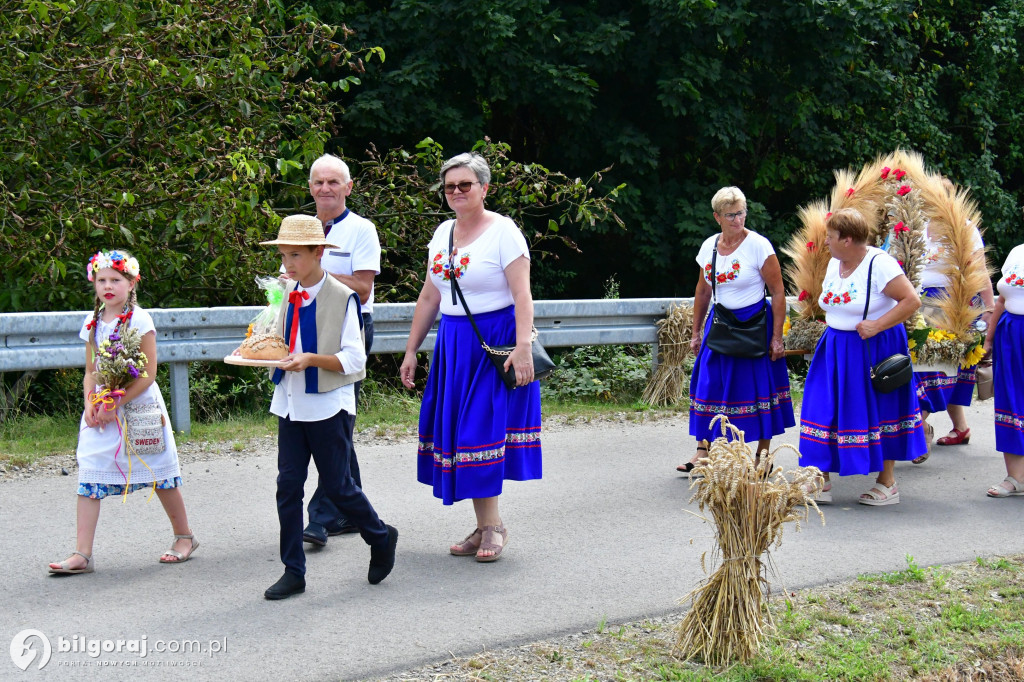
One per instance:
(474, 433)
(98, 491)
(1008, 371)
(752, 392)
(846, 426)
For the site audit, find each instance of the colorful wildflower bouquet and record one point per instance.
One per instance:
(119, 362)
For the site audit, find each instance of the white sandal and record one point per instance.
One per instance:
(1002, 491)
(64, 570)
(880, 496)
(181, 558)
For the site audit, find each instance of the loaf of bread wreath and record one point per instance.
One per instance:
(263, 347)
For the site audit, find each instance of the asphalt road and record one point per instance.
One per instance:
(605, 535)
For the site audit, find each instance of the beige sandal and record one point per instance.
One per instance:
(179, 557)
(467, 547)
(64, 570)
(487, 543)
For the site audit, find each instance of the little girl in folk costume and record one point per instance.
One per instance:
(106, 466)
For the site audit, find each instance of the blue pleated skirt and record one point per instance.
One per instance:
(752, 392)
(846, 426)
(474, 433)
(936, 390)
(1008, 383)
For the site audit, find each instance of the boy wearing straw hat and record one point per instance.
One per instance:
(314, 401)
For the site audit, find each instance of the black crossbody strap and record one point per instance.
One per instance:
(456, 290)
(714, 271)
(867, 301)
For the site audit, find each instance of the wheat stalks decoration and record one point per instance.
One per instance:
(668, 382)
(726, 621)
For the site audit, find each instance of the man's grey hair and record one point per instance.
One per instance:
(331, 160)
(471, 160)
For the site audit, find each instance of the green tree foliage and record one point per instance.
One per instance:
(683, 97)
(400, 191)
(166, 128)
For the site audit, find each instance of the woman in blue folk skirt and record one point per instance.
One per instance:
(752, 392)
(474, 433)
(846, 425)
(1005, 338)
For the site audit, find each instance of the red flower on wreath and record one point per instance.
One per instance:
(850, 192)
(828, 215)
(900, 227)
(898, 174)
(903, 190)
(802, 296)
(885, 172)
(900, 262)
(810, 246)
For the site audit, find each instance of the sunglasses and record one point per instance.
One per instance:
(463, 187)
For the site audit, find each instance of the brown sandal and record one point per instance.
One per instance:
(467, 547)
(487, 544)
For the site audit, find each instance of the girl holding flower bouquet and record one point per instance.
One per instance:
(120, 357)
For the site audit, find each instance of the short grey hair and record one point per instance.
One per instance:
(331, 160)
(727, 196)
(471, 160)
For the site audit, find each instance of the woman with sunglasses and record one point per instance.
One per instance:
(474, 433)
(735, 268)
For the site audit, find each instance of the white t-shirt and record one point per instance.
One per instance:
(739, 282)
(935, 256)
(480, 266)
(842, 299)
(358, 249)
(1011, 283)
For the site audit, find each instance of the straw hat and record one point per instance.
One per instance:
(300, 230)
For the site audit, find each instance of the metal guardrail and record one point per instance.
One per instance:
(36, 341)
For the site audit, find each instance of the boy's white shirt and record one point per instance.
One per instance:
(290, 397)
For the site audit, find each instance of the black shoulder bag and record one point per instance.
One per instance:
(728, 334)
(894, 371)
(542, 364)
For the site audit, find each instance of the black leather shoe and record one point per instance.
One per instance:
(382, 558)
(341, 527)
(315, 534)
(289, 584)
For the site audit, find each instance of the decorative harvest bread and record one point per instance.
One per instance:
(263, 347)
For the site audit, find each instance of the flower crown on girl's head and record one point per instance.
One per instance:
(115, 260)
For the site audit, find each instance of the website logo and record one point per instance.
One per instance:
(23, 651)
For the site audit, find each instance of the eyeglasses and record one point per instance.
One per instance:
(734, 216)
(463, 187)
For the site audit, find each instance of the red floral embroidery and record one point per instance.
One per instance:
(721, 278)
(735, 266)
(828, 297)
(846, 297)
(904, 189)
(436, 269)
(437, 257)
(464, 260)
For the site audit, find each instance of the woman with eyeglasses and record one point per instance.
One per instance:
(474, 433)
(736, 269)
